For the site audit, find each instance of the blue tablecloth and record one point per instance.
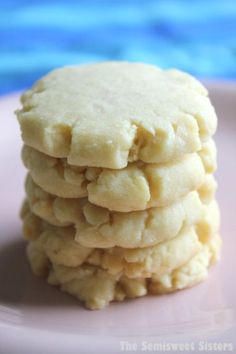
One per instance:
(36, 36)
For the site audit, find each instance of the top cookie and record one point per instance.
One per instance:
(112, 113)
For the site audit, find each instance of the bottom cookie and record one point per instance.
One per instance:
(97, 288)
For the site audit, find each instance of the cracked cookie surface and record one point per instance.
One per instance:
(136, 187)
(61, 246)
(112, 113)
(97, 287)
(99, 227)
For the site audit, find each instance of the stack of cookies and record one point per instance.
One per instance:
(120, 197)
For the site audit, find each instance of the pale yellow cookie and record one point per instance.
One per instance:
(97, 288)
(136, 189)
(139, 229)
(97, 227)
(148, 186)
(32, 224)
(37, 257)
(160, 259)
(129, 230)
(91, 285)
(209, 223)
(191, 273)
(112, 113)
(57, 177)
(207, 190)
(208, 155)
(61, 248)
(140, 186)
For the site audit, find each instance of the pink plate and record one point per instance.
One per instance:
(37, 318)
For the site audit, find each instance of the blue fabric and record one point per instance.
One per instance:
(37, 36)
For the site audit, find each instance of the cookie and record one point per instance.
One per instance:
(207, 190)
(157, 228)
(98, 227)
(109, 114)
(124, 190)
(139, 229)
(189, 274)
(97, 288)
(61, 248)
(141, 188)
(209, 223)
(32, 224)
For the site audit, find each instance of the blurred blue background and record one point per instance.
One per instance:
(36, 36)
